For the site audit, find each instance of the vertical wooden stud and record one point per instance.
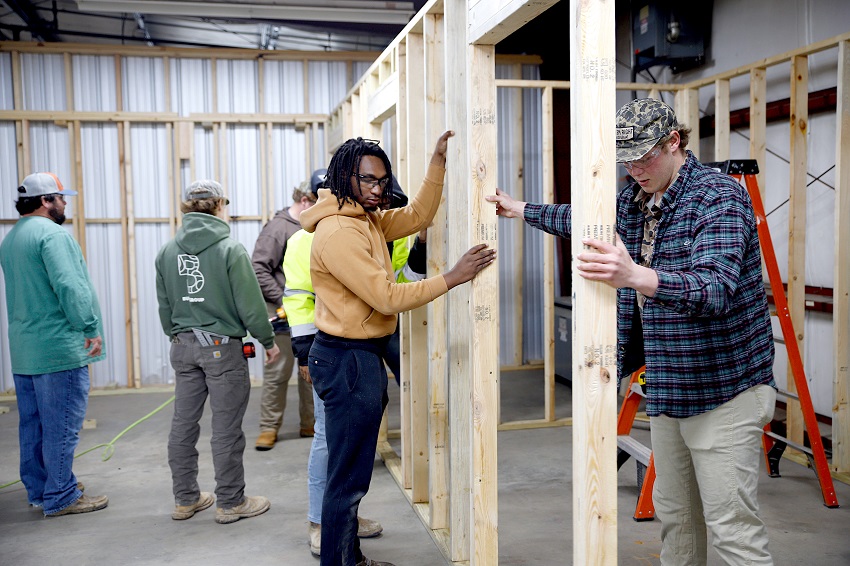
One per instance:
(548, 263)
(758, 122)
(721, 120)
(459, 241)
(592, 100)
(79, 186)
(435, 116)
(841, 286)
(128, 315)
(518, 231)
(131, 254)
(687, 112)
(797, 226)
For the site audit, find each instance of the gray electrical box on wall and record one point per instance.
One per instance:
(669, 33)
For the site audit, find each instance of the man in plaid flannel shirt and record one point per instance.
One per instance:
(691, 305)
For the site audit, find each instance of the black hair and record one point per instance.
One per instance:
(346, 162)
(27, 205)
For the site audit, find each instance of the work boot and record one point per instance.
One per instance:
(81, 486)
(307, 432)
(85, 504)
(367, 528)
(369, 562)
(315, 532)
(266, 440)
(250, 507)
(183, 512)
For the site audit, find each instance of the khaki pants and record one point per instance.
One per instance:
(275, 381)
(707, 471)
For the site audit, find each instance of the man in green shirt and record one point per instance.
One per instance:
(208, 298)
(52, 308)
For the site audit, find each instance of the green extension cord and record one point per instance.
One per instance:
(110, 446)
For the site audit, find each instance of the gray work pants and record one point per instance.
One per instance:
(220, 372)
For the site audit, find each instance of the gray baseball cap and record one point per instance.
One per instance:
(206, 188)
(640, 125)
(40, 184)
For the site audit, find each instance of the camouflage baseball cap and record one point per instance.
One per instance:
(640, 124)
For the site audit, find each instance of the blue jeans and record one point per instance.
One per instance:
(393, 354)
(350, 377)
(317, 465)
(51, 409)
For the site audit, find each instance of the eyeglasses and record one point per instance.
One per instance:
(644, 161)
(371, 181)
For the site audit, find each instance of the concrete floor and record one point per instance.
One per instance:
(535, 518)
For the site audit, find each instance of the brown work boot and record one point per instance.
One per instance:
(307, 432)
(250, 507)
(369, 562)
(315, 532)
(367, 528)
(266, 440)
(85, 504)
(183, 512)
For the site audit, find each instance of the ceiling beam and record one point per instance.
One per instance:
(36, 25)
(374, 12)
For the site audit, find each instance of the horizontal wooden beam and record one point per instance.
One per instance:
(382, 103)
(184, 52)
(491, 21)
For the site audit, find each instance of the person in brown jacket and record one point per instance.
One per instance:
(266, 261)
(357, 302)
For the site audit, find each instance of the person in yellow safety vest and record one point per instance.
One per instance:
(299, 305)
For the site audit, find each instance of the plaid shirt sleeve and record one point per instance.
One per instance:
(551, 218)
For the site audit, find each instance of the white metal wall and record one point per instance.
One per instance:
(294, 153)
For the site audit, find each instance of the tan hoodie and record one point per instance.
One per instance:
(356, 292)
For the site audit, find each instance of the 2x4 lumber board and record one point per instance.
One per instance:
(721, 120)
(687, 111)
(21, 127)
(841, 285)
(771, 61)
(261, 86)
(185, 130)
(383, 100)
(518, 190)
(60, 115)
(438, 424)
(459, 241)
(264, 176)
(758, 122)
(417, 159)
(79, 183)
(119, 85)
(535, 423)
(69, 84)
(548, 263)
(799, 161)
(491, 21)
(484, 302)
(186, 52)
(173, 177)
(122, 186)
(131, 254)
(592, 102)
(400, 164)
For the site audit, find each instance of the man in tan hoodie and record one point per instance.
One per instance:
(357, 300)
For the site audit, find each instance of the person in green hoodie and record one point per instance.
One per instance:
(52, 308)
(208, 298)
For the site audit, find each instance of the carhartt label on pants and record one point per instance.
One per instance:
(217, 354)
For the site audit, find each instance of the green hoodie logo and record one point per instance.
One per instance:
(189, 265)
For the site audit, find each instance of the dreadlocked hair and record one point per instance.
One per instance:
(346, 162)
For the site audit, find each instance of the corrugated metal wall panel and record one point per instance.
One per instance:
(357, 70)
(237, 86)
(284, 86)
(508, 229)
(191, 86)
(49, 152)
(7, 92)
(288, 164)
(203, 157)
(43, 81)
(101, 175)
(321, 158)
(105, 253)
(328, 85)
(149, 171)
(94, 83)
(533, 283)
(9, 177)
(153, 343)
(143, 84)
(243, 173)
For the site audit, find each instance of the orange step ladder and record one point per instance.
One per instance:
(773, 444)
